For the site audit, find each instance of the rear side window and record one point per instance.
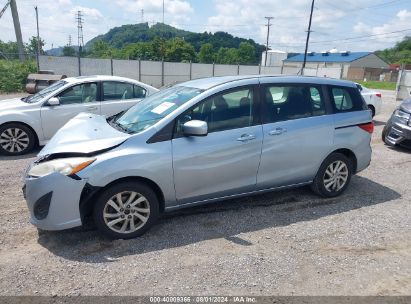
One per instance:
(346, 100)
(113, 90)
(292, 102)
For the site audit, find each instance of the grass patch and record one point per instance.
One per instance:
(381, 85)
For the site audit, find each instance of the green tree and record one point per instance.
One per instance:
(178, 50)
(227, 56)
(9, 50)
(32, 45)
(206, 54)
(139, 50)
(158, 47)
(400, 53)
(101, 49)
(246, 53)
(69, 51)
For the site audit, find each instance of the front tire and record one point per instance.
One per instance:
(333, 176)
(126, 210)
(16, 139)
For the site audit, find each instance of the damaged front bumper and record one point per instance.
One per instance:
(54, 201)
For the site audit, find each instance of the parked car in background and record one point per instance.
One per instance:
(397, 130)
(199, 142)
(372, 98)
(33, 120)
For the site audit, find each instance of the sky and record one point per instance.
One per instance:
(354, 25)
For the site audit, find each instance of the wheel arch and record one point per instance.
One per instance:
(349, 154)
(36, 136)
(91, 193)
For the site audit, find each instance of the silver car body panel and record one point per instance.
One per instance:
(85, 133)
(65, 192)
(197, 170)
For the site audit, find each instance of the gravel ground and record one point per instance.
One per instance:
(282, 243)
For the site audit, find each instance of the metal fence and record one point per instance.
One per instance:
(160, 73)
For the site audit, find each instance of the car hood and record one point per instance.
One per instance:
(406, 105)
(12, 104)
(86, 133)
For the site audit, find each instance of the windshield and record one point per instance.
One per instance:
(50, 89)
(154, 108)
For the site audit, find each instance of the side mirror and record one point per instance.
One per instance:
(195, 128)
(53, 101)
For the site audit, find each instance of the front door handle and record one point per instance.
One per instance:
(246, 137)
(277, 131)
(92, 108)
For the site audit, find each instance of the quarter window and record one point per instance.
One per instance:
(81, 93)
(347, 99)
(231, 110)
(292, 102)
(117, 90)
(139, 92)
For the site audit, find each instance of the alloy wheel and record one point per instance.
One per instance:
(14, 140)
(335, 176)
(126, 212)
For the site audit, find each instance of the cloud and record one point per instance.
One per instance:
(56, 21)
(175, 10)
(332, 20)
(378, 34)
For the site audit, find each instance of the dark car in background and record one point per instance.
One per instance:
(397, 131)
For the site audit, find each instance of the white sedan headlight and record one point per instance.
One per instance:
(66, 166)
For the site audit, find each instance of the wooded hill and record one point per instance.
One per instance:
(219, 47)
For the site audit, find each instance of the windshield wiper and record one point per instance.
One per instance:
(119, 127)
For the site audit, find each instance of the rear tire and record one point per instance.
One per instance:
(333, 176)
(126, 210)
(16, 139)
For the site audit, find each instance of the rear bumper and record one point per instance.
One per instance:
(53, 201)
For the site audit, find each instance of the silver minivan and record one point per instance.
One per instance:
(198, 142)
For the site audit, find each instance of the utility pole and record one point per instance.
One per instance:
(80, 42)
(69, 40)
(17, 29)
(38, 40)
(268, 37)
(308, 38)
(163, 11)
(142, 15)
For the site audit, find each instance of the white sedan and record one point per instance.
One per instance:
(372, 98)
(33, 120)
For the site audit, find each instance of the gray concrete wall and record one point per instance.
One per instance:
(158, 74)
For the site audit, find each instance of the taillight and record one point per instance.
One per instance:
(378, 95)
(368, 127)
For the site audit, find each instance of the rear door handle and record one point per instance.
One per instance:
(277, 131)
(92, 108)
(246, 137)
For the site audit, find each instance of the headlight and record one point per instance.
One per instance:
(404, 116)
(66, 166)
